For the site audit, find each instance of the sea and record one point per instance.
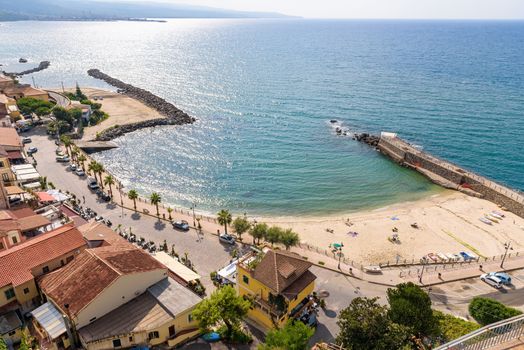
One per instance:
(264, 92)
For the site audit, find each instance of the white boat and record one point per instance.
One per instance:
(450, 256)
(486, 221)
(442, 256)
(372, 269)
(495, 215)
(498, 213)
(491, 219)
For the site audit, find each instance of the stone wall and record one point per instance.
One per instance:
(405, 154)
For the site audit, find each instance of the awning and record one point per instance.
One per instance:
(58, 196)
(12, 190)
(45, 197)
(32, 185)
(229, 272)
(177, 268)
(50, 319)
(14, 155)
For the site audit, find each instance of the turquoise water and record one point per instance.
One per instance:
(264, 91)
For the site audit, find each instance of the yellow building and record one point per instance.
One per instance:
(6, 175)
(279, 283)
(21, 264)
(9, 108)
(115, 296)
(10, 327)
(26, 90)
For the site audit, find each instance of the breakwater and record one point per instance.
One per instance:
(450, 175)
(41, 66)
(172, 114)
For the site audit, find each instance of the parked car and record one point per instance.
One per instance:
(491, 280)
(80, 172)
(62, 159)
(502, 276)
(26, 140)
(32, 150)
(72, 167)
(105, 197)
(466, 256)
(99, 218)
(225, 238)
(92, 184)
(182, 225)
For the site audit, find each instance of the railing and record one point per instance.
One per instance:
(489, 336)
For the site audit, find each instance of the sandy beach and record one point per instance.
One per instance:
(121, 109)
(448, 222)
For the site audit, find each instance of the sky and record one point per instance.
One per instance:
(434, 9)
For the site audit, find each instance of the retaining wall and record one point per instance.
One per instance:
(405, 154)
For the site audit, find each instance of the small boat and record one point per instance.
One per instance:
(491, 218)
(486, 221)
(498, 213)
(495, 215)
(442, 256)
(432, 256)
(451, 257)
(373, 269)
(22, 60)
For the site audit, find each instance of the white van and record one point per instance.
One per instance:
(491, 280)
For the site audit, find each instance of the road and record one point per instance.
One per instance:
(208, 254)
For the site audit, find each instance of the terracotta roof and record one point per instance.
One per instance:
(3, 152)
(296, 287)
(21, 219)
(22, 213)
(25, 89)
(97, 231)
(5, 78)
(33, 222)
(9, 137)
(280, 269)
(16, 263)
(81, 281)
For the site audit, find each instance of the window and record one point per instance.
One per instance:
(69, 259)
(45, 269)
(5, 177)
(14, 239)
(26, 290)
(12, 333)
(91, 320)
(245, 279)
(9, 294)
(1, 164)
(2, 245)
(153, 335)
(131, 339)
(171, 331)
(190, 318)
(117, 343)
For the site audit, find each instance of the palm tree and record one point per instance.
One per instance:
(91, 168)
(273, 235)
(133, 195)
(66, 140)
(170, 210)
(241, 225)
(81, 159)
(155, 199)
(109, 180)
(74, 153)
(289, 238)
(100, 169)
(258, 231)
(224, 218)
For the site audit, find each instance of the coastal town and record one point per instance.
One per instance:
(86, 262)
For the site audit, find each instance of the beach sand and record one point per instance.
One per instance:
(121, 109)
(448, 221)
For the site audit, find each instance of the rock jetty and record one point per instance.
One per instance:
(41, 66)
(172, 114)
(366, 138)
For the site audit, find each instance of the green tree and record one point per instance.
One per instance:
(241, 225)
(100, 170)
(60, 113)
(224, 218)
(411, 306)
(365, 325)
(289, 238)
(155, 200)
(451, 327)
(293, 336)
(133, 195)
(74, 114)
(79, 94)
(225, 307)
(3, 345)
(42, 111)
(486, 310)
(66, 140)
(273, 235)
(170, 211)
(109, 181)
(258, 231)
(91, 168)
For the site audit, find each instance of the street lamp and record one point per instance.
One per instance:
(424, 262)
(338, 248)
(507, 246)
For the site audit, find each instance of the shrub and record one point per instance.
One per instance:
(486, 311)
(321, 263)
(451, 327)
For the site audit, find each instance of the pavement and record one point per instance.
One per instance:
(451, 292)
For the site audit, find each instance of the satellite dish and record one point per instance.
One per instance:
(323, 294)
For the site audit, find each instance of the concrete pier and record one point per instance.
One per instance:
(95, 146)
(450, 175)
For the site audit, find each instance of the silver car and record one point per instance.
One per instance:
(491, 280)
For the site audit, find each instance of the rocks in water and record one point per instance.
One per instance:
(43, 65)
(333, 121)
(22, 60)
(366, 138)
(173, 115)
